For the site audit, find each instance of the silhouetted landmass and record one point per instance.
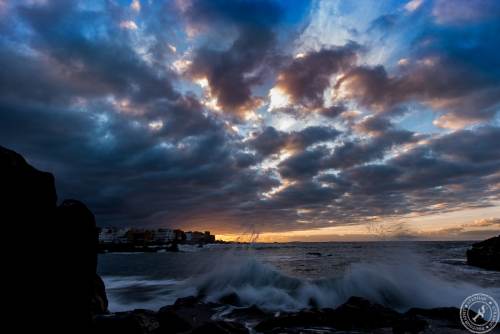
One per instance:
(47, 273)
(485, 254)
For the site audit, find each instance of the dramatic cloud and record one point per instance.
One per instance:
(258, 116)
(307, 77)
(232, 71)
(271, 141)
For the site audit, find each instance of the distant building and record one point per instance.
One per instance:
(209, 238)
(180, 236)
(112, 235)
(164, 235)
(195, 237)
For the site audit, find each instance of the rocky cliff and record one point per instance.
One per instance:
(50, 254)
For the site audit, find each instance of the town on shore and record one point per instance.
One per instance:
(112, 239)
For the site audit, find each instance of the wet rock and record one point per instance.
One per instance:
(133, 322)
(230, 299)
(170, 322)
(442, 316)
(98, 298)
(247, 313)
(356, 314)
(221, 327)
(301, 319)
(410, 324)
(192, 310)
(314, 253)
(485, 254)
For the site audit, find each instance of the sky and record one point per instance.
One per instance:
(265, 120)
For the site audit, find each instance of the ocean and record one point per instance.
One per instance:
(294, 276)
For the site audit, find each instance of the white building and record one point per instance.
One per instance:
(164, 235)
(113, 235)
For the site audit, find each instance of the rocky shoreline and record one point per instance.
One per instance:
(68, 296)
(357, 315)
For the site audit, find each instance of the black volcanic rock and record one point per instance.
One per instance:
(356, 314)
(79, 222)
(170, 322)
(221, 327)
(133, 322)
(230, 299)
(485, 254)
(361, 313)
(50, 263)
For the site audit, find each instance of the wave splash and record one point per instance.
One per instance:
(400, 286)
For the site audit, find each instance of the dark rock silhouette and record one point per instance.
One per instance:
(485, 254)
(53, 267)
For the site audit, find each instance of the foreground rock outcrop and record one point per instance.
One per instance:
(51, 254)
(357, 315)
(485, 254)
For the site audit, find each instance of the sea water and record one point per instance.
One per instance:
(293, 276)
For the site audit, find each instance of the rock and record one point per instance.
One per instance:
(247, 313)
(314, 253)
(410, 324)
(442, 316)
(99, 300)
(221, 327)
(28, 202)
(133, 322)
(170, 322)
(355, 314)
(230, 299)
(54, 267)
(192, 310)
(485, 254)
(88, 296)
(359, 313)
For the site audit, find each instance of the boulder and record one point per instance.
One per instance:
(231, 298)
(356, 314)
(221, 327)
(172, 323)
(192, 310)
(133, 322)
(53, 270)
(485, 254)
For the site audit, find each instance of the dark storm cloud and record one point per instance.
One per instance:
(350, 152)
(359, 151)
(305, 164)
(271, 141)
(88, 54)
(132, 176)
(428, 178)
(233, 71)
(307, 77)
(61, 107)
